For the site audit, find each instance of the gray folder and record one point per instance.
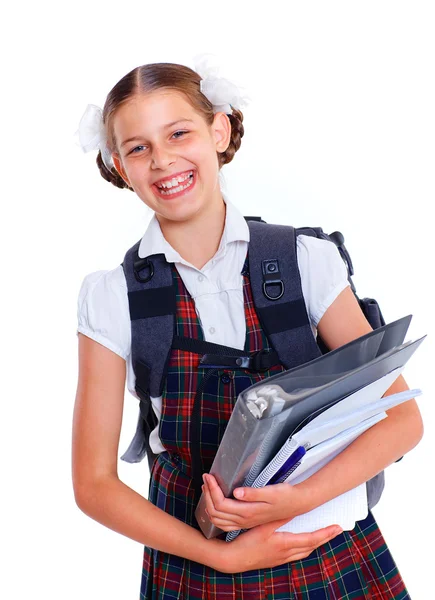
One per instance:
(252, 439)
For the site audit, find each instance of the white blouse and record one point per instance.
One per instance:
(216, 289)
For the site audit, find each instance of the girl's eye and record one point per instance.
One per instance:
(137, 148)
(179, 132)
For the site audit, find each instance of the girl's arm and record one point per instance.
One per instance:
(103, 496)
(98, 491)
(370, 453)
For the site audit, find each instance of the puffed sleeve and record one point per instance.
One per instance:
(323, 274)
(103, 312)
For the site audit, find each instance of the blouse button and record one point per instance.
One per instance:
(212, 330)
(200, 278)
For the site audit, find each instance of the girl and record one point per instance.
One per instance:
(165, 133)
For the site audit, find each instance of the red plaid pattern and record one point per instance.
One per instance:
(354, 565)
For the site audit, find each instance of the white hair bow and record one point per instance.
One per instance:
(222, 93)
(92, 133)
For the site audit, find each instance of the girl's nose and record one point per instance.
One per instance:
(161, 158)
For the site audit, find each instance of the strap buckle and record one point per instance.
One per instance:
(272, 277)
(257, 360)
(262, 360)
(141, 264)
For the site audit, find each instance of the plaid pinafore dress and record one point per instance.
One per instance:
(354, 565)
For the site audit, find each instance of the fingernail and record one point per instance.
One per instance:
(204, 478)
(239, 493)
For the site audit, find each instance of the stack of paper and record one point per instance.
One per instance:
(311, 413)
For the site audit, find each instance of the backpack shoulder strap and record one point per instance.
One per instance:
(277, 292)
(152, 305)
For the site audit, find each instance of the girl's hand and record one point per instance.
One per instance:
(255, 507)
(262, 547)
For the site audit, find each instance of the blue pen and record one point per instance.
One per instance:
(289, 466)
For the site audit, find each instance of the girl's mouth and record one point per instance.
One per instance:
(179, 190)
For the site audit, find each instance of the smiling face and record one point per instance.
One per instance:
(167, 153)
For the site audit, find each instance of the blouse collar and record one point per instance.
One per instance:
(153, 241)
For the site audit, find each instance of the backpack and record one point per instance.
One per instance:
(152, 309)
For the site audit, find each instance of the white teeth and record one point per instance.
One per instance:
(177, 189)
(175, 181)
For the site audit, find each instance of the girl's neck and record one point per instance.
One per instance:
(198, 239)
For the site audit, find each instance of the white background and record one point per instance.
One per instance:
(340, 134)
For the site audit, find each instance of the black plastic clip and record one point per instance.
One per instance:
(272, 277)
(139, 265)
(262, 360)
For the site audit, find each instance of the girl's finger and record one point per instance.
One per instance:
(299, 555)
(313, 539)
(233, 507)
(229, 524)
(216, 514)
(228, 528)
(208, 499)
(306, 551)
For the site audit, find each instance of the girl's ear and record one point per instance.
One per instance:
(119, 167)
(222, 131)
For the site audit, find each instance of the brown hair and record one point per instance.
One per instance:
(150, 77)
